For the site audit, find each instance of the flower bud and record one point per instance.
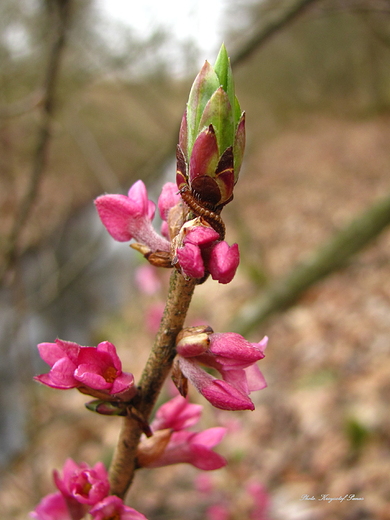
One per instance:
(212, 136)
(107, 407)
(193, 341)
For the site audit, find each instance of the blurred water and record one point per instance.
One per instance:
(65, 288)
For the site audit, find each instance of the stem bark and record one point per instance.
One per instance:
(155, 372)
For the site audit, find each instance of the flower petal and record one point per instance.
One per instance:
(139, 195)
(220, 393)
(52, 507)
(233, 350)
(90, 376)
(177, 414)
(168, 198)
(255, 378)
(223, 262)
(52, 352)
(190, 260)
(201, 236)
(116, 213)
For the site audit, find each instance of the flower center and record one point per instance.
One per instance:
(86, 488)
(110, 374)
(115, 516)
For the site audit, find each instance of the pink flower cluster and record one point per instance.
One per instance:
(229, 354)
(173, 443)
(83, 490)
(201, 252)
(196, 249)
(96, 371)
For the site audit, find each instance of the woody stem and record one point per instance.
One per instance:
(155, 372)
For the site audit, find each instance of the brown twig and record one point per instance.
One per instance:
(267, 31)
(22, 106)
(155, 372)
(327, 259)
(59, 22)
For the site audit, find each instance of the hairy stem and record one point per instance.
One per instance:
(156, 371)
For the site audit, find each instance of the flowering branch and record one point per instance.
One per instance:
(155, 372)
(191, 243)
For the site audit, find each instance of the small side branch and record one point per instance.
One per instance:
(328, 258)
(59, 21)
(284, 17)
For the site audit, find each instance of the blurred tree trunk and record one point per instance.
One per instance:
(59, 17)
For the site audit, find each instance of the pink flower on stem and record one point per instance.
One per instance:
(127, 217)
(194, 448)
(169, 197)
(176, 414)
(113, 508)
(232, 356)
(96, 371)
(201, 253)
(172, 443)
(223, 262)
(52, 507)
(84, 484)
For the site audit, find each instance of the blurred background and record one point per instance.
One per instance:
(91, 97)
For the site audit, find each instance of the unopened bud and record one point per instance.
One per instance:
(212, 137)
(107, 407)
(193, 341)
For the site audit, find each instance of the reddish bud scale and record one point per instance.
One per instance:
(199, 210)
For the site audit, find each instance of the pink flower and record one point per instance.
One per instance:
(193, 448)
(232, 356)
(91, 369)
(85, 484)
(51, 507)
(176, 414)
(112, 508)
(169, 197)
(172, 443)
(200, 253)
(131, 217)
(191, 261)
(223, 262)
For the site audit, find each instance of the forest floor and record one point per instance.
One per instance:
(321, 429)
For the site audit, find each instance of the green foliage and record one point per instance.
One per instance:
(357, 434)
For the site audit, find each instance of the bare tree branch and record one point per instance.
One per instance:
(327, 259)
(267, 31)
(59, 21)
(22, 106)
